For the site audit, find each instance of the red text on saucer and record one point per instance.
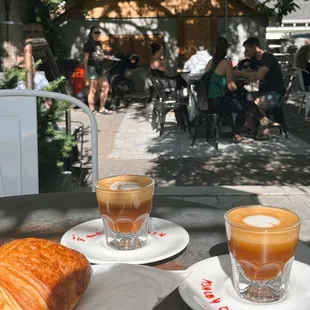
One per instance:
(74, 237)
(96, 234)
(156, 233)
(206, 287)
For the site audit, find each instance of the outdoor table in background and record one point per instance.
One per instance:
(49, 216)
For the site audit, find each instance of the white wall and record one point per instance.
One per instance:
(239, 29)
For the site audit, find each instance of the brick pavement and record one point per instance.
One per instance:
(127, 144)
(293, 198)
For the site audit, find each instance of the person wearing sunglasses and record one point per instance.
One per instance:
(95, 72)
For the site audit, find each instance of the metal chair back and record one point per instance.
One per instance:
(19, 156)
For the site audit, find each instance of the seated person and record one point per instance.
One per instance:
(159, 69)
(247, 64)
(40, 82)
(302, 61)
(219, 73)
(197, 62)
(271, 87)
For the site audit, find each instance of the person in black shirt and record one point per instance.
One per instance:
(271, 87)
(248, 64)
(94, 71)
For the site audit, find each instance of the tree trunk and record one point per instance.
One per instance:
(12, 34)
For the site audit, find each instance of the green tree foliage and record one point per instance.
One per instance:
(278, 8)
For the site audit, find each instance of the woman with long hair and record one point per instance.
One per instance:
(94, 71)
(222, 92)
(302, 61)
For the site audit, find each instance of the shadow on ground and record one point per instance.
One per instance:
(288, 170)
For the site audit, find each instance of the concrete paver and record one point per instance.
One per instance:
(301, 205)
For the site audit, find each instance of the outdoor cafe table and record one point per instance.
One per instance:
(50, 215)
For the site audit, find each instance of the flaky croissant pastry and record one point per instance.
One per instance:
(37, 274)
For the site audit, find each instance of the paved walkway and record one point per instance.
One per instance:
(137, 140)
(274, 172)
(127, 144)
(296, 199)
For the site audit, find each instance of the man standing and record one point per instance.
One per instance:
(198, 62)
(271, 86)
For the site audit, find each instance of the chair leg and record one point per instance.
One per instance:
(217, 120)
(301, 103)
(284, 127)
(216, 128)
(177, 117)
(217, 136)
(155, 118)
(162, 122)
(185, 118)
(198, 118)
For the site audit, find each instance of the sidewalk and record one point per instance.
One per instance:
(296, 199)
(127, 144)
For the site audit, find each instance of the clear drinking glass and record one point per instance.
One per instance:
(125, 203)
(262, 241)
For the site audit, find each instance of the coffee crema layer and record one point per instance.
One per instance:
(262, 218)
(124, 183)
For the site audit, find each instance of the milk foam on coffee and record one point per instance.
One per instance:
(124, 186)
(262, 221)
(263, 218)
(124, 183)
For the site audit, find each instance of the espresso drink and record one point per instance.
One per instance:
(125, 202)
(262, 240)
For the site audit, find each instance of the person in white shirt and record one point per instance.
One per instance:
(40, 82)
(198, 62)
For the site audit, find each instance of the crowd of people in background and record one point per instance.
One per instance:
(225, 80)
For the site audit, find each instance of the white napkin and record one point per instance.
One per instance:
(129, 287)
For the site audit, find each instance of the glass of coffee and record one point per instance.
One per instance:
(262, 241)
(125, 203)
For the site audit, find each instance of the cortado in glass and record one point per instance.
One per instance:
(262, 241)
(125, 203)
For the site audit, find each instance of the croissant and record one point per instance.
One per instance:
(37, 274)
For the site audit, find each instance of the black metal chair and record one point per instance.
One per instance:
(278, 111)
(213, 122)
(167, 101)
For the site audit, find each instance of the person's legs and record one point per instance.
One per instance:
(92, 94)
(226, 106)
(104, 92)
(232, 104)
(266, 102)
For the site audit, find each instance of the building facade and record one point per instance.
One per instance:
(180, 25)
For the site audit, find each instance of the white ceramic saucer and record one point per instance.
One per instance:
(165, 239)
(222, 295)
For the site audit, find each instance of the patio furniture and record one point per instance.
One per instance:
(211, 121)
(167, 101)
(19, 155)
(57, 212)
(278, 112)
(305, 93)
